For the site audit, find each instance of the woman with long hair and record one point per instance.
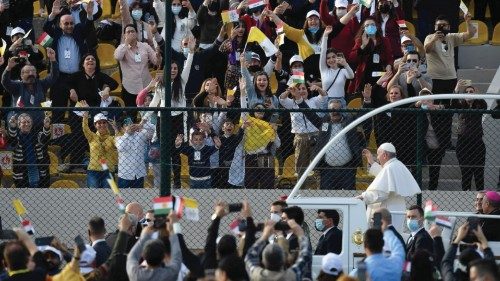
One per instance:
(387, 15)
(183, 21)
(233, 46)
(372, 53)
(258, 88)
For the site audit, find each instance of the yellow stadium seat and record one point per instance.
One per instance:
(482, 33)
(411, 28)
(54, 162)
(106, 52)
(496, 36)
(362, 186)
(118, 91)
(64, 184)
(117, 13)
(355, 103)
(42, 74)
(289, 171)
(184, 167)
(36, 8)
(42, 50)
(106, 9)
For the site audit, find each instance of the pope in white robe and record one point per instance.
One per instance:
(393, 181)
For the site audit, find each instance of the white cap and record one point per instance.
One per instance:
(87, 259)
(99, 117)
(404, 39)
(51, 249)
(296, 58)
(388, 147)
(331, 264)
(17, 30)
(341, 3)
(312, 13)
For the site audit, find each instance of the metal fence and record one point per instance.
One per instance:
(457, 144)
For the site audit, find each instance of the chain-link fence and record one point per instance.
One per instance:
(229, 154)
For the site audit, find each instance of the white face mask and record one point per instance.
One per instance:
(275, 217)
(340, 12)
(185, 51)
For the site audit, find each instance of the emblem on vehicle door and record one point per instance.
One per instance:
(357, 237)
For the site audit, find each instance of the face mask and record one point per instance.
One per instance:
(136, 14)
(424, 106)
(410, 48)
(176, 10)
(213, 6)
(275, 217)
(371, 30)
(185, 51)
(313, 30)
(341, 13)
(412, 225)
(254, 68)
(319, 225)
(385, 8)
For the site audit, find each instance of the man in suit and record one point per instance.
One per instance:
(419, 238)
(97, 232)
(386, 226)
(338, 166)
(491, 206)
(331, 240)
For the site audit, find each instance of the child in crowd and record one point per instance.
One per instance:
(198, 158)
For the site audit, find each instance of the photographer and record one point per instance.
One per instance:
(273, 256)
(24, 51)
(466, 256)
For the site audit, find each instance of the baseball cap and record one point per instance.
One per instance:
(17, 30)
(389, 147)
(341, 3)
(312, 13)
(331, 264)
(296, 58)
(99, 117)
(87, 259)
(255, 56)
(404, 39)
(51, 249)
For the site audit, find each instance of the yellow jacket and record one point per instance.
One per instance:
(298, 36)
(71, 272)
(258, 135)
(101, 147)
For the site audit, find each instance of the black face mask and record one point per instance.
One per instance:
(213, 6)
(385, 8)
(442, 29)
(254, 68)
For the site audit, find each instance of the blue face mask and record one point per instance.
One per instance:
(410, 48)
(185, 51)
(136, 14)
(412, 225)
(319, 225)
(313, 29)
(371, 29)
(176, 10)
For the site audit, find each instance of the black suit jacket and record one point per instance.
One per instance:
(103, 250)
(421, 241)
(332, 243)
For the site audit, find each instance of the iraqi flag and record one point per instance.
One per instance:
(28, 227)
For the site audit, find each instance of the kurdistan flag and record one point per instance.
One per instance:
(162, 205)
(45, 40)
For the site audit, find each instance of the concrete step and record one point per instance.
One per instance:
(485, 56)
(447, 172)
(478, 76)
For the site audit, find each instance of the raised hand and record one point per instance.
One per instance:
(327, 31)
(51, 54)
(367, 91)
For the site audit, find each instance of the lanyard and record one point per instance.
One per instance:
(12, 273)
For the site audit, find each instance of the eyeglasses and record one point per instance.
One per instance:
(414, 60)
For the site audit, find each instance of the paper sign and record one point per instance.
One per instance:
(46, 103)
(230, 92)
(4, 46)
(366, 3)
(18, 206)
(6, 160)
(464, 8)
(402, 24)
(57, 130)
(476, 26)
(230, 16)
(281, 39)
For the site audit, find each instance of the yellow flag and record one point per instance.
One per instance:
(113, 186)
(18, 206)
(255, 35)
(230, 92)
(4, 46)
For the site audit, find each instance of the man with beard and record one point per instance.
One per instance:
(30, 91)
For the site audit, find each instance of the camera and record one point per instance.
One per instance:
(313, 140)
(20, 60)
(282, 226)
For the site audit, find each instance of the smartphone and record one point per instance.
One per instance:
(80, 244)
(44, 241)
(473, 223)
(361, 272)
(3, 124)
(282, 226)
(377, 220)
(235, 207)
(468, 82)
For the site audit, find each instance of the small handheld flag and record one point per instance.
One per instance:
(112, 184)
(4, 46)
(19, 207)
(255, 35)
(366, 3)
(255, 3)
(464, 8)
(191, 211)
(45, 40)
(297, 78)
(28, 227)
(402, 24)
(230, 16)
(162, 205)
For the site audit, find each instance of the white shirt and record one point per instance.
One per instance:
(97, 241)
(337, 90)
(182, 29)
(298, 124)
(131, 149)
(384, 22)
(339, 153)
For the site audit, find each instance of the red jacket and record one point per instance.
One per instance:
(360, 58)
(264, 26)
(392, 31)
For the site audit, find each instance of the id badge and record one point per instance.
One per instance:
(197, 156)
(9, 30)
(324, 127)
(237, 54)
(137, 57)
(376, 58)
(67, 54)
(32, 99)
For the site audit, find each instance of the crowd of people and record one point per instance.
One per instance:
(327, 54)
(148, 246)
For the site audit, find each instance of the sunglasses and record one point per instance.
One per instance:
(409, 61)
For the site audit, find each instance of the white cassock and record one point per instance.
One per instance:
(392, 183)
